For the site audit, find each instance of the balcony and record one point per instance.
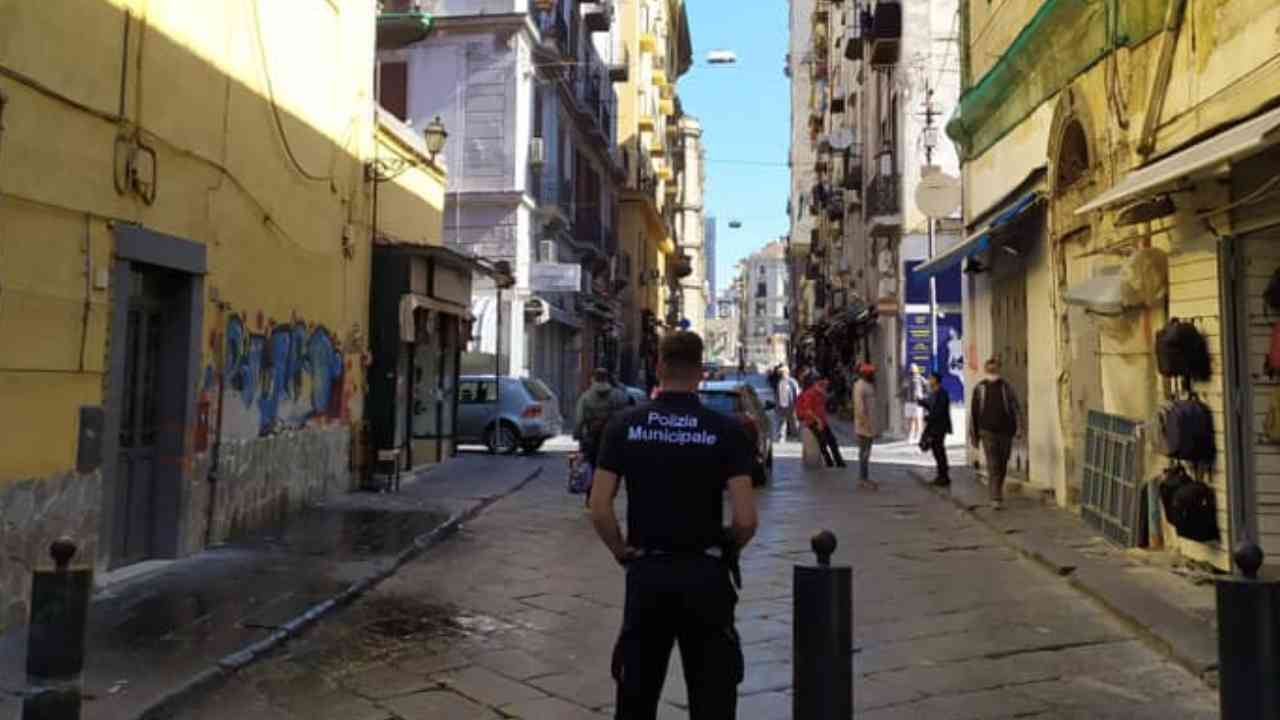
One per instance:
(598, 16)
(648, 114)
(648, 42)
(886, 33)
(659, 77)
(620, 65)
(667, 107)
(884, 199)
(402, 23)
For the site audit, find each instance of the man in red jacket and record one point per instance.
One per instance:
(811, 409)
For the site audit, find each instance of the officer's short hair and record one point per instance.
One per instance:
(682, 351)
(600, 375)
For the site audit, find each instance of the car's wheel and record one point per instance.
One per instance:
(502, 439)
(532, 446)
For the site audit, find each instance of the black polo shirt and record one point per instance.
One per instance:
(676, 458)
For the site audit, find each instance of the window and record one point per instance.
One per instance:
(760, 309)
(393, 88)
(762, 289)
(477, 392)
(537, 389)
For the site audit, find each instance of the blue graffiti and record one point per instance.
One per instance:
(324, 363)
(266, 370)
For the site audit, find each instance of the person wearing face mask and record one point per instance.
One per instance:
(993, 423)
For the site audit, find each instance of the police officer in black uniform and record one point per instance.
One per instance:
(677, 459)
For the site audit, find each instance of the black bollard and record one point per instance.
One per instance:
(55, 637)
(1248, 641)
(822, 635)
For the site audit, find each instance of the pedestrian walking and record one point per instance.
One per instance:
(677, 458)
(865, 423)
(993, 423)
(914, 391)
(811, 409)
(788, 392)
(937, 426)
(595, 407)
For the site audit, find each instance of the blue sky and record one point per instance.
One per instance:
(745, 114)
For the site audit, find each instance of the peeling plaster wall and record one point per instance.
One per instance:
(33, 513)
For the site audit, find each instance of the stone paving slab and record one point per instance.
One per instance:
(154, 635)
(1173, 614)
(950, 622)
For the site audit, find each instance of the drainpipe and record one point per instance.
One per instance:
(215, 462)
(1160, 86)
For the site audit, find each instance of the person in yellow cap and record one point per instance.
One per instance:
(865, 424)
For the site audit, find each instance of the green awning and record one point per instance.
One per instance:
(396, 30)
(1062, 41)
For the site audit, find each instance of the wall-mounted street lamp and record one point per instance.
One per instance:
(384, 169)
(436, 136)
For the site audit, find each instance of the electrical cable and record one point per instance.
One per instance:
(275, 107)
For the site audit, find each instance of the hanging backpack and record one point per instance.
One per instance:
(1195, 512)
(1271, 366)
(1171, 481)
(1271, 426)
(1181, 351)
(1189, 432)
(1271, 295)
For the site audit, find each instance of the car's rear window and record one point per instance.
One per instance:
(724, 403)
(537, 389)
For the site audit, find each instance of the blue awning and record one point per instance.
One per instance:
(979, 241)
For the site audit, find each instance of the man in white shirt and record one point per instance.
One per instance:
(788, 391)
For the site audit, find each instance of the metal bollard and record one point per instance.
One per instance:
(822, 637)
(55, 637)
(1248, 641)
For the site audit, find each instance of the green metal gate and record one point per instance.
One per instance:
(1111, 500)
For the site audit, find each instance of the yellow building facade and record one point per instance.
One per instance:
(655, 38)
(1082, 130)
(185, 242)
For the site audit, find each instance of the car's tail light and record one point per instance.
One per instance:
(532, 411)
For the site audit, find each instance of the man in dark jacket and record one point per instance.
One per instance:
(993, 423)
(937, 426)
(595, 407)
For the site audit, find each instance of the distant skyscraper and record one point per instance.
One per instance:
(709, 248)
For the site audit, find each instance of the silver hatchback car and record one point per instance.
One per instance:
(523, 416)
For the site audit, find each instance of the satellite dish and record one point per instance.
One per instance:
(938, 194)
(841, 138)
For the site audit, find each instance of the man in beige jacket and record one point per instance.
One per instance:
(865, 425)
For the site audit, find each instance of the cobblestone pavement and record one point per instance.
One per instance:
(516, 617)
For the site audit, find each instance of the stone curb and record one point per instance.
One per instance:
(168, 705)
(1162, 643)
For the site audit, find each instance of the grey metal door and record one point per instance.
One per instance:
(140, 466)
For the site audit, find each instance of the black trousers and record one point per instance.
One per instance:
(938, 444)
(829, 445)
(678, 599)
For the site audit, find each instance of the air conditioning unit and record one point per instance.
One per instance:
(547, 251)
(537, 152)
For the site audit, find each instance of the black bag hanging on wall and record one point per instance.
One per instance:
(1271, 295)
(1181, 351)
(1195, 512)
(1189, 432)
(1172, 481)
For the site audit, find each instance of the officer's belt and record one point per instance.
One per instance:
(712, 552)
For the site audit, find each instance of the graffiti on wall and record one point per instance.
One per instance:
(279, 377)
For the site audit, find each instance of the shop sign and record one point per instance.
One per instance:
(555, 277)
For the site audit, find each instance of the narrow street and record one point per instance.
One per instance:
(516, 616)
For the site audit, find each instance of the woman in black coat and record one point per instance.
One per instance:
(937, 426)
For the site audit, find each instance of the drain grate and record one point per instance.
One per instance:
(1110, 496)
